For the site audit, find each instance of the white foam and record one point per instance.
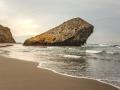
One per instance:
(72, 56)
(118, 47)
(92, 51)
(103, 45)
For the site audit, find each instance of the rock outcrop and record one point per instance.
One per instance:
(5, 35)
(74, 32)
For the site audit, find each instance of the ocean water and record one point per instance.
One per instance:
(96, 61)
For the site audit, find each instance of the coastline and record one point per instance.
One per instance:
(81, 77)
(23, 75)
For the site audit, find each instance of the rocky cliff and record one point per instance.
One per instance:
(74, 32)
(5, 35)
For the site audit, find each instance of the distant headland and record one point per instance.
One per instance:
(6, 35)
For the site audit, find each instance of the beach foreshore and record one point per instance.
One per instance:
(22, 75)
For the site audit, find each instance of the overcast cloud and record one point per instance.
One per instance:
(31, 17)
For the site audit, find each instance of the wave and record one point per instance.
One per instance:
(71, 56)
(104, 45)
(108, 45)
(93, 51)
(102, 52)
(118, 47)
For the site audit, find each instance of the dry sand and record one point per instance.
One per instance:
(22, 75)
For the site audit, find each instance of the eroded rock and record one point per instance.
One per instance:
(74, 32)
(5, 35)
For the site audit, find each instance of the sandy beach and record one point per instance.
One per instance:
(22, 75)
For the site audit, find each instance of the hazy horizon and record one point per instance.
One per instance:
(27, 18)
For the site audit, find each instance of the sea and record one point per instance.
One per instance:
(93, 61)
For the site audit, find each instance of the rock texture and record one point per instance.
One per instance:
(74, 32)
(5, 35)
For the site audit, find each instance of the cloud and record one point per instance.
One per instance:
(30, 17)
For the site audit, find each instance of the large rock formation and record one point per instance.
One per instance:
(5, 35)
(74, 32)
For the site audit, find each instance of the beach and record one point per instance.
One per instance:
(24, 75)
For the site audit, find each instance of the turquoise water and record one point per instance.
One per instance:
(96, 61)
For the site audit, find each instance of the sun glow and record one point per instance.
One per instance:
(24, 26)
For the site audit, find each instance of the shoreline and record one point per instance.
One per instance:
(39, 78)
(66, 75)
(82, 77)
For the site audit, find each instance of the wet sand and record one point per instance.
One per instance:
(21, 75)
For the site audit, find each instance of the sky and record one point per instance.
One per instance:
(27, 18)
